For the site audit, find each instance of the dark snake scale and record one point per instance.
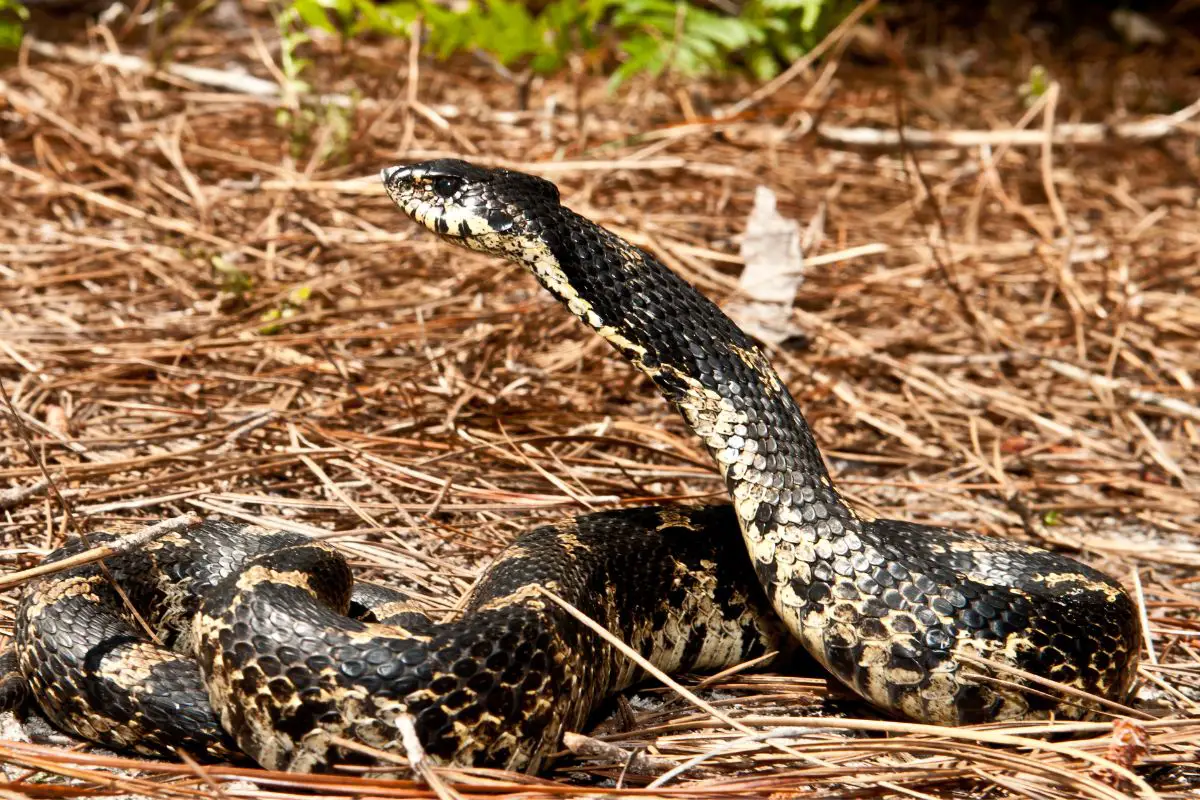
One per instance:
(270, 649)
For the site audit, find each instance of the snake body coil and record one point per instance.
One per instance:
(262, 619)
(938, 625)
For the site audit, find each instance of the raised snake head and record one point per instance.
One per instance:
(492, 210)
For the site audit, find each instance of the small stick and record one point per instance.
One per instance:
(729, 747)
(644, 663)
(679, 688)
(1147, 637)
(1079, 133)
(414, 757)
(1056, 206)
(19, 494)
(1062, 688)
(1144, 396)
(137, 539)
(419, 761)
(635, 761)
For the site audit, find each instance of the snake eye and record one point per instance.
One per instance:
(446, 185)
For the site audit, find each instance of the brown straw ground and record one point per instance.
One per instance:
(208, 306)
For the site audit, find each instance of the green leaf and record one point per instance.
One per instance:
(366, 15)
(789, 51)
(650, 36)
(11, 34)
(313, 14)
(394, 18)
(17, 9)
(12, 15)
(784, 5)
(648, 15)
(270, 317)
(643, 54)
(812, 13)
(762, 63)
(508, 30)
(1038, 83)
(729, 33)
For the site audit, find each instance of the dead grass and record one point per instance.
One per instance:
(990, 368)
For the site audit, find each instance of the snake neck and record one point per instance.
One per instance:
(718, 379)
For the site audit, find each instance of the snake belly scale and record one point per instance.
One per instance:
(275, 652)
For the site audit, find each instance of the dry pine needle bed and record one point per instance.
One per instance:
(208, 306)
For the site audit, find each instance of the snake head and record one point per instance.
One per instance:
(479, 207)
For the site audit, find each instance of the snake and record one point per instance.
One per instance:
(265, 646)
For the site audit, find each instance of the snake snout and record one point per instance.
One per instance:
(394, 173)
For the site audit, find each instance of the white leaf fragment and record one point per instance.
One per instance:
(774, 271)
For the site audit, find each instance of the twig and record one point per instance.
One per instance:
(985, 736)
(642, 662)
(1158, 452)
(412, 84)
(121, 545)
(1140, 597)
(227, 80)
(635, 761)
(419, 761)
(939, 237)
(1047, 162)
(729, 747)
(10, 498)
(126, 210)
(687, 694)
(1062, 688)
(1082, 133)
(1145, 396)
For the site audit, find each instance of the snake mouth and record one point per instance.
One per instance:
(411, 190)
(400, 184)
(394, 174)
